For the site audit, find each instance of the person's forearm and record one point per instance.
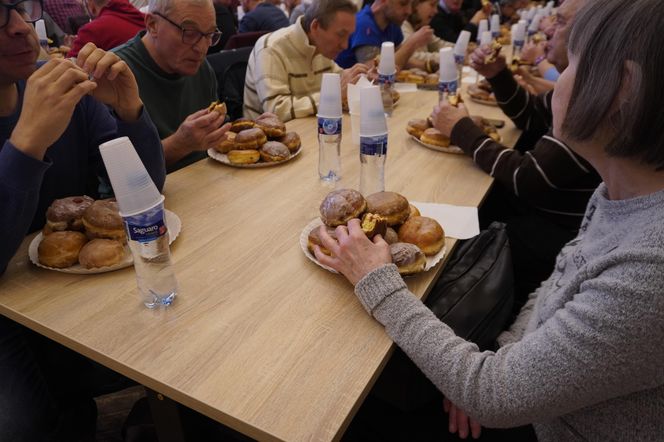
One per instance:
(174, 149)
(404, 52)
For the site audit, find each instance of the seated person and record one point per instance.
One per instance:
(226, 23)
(380, 22)
(261, 15)
(113, 23)
(52, 121)
(427, 54)
(176, 82)
(61, 10)
(286, 67)
(582, 361)
(544, 190)
(449, 21)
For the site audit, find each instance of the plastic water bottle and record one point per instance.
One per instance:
(142, 209)
(373, 153)
(329, 143)
(329, 128)
(373, 141)
(387, 76)
(448, 79)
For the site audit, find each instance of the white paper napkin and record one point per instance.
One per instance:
(460, 222)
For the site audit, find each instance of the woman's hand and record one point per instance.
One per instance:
(460, 421)
(354, 255)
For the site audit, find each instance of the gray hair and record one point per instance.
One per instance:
(619, 44)
(324, 11)
(166, 6)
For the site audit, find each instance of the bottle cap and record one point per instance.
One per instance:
(386, 65)
(372, 113)
(330, 97)
(132, 185)
(448, 69)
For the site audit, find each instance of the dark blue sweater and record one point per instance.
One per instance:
(72, 166)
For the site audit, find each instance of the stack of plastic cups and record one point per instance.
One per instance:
(40, 28)
(495, 26)
(482, 28)
(386, 75)
(533, 28)
(447, 80)
(373, 141)
(531, 14)
(519, 38)
(460, 49)
(329, 128)
(142, 208)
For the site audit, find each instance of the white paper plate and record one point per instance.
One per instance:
(173, 223)
(223, 158)
(449, 149)
(315, 223)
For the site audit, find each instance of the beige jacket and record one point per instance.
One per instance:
(284, 75)
(428, 51)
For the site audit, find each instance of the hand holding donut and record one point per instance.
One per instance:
(445, 116)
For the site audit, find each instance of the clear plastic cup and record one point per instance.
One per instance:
(495, 25)
(372, 113)
(448, 69)
(486, 38)
(482, 28)
(461, 45)
(330, 97)
(387, 65)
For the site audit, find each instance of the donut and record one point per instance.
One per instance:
(314, 239)
(454, 100)
(402, 75)
(414, 211)
(274, 151)
(424, 232)
(373, 225)
(495, 50)
(102, 220)
(242, 124)
(247, 156)
(250, 139)
(66, 213)
(408, 258)
(416, 126)
(272, 127)
(431, 79)
(391, 236)
(415, 78)
(227, 144)
(434, 137)
(60, 249)
(101, 253)
(220, 108)
(390, 205)
(340, 206)
(291, 140)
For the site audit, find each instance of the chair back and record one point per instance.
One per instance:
(230, 66)
(244, 39)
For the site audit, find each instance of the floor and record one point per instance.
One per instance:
(112, 410)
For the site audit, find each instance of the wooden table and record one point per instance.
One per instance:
(259, 338)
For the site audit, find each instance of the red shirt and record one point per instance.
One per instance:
(116, 23)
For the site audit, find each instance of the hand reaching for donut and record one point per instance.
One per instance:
(198, 132)
(445, 116)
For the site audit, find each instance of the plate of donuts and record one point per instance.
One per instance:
(100, 254)
(417, 242)
(254, 161)
(422, 131)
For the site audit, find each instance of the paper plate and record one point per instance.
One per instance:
(173, 223)
(223, 158)
(449, 149)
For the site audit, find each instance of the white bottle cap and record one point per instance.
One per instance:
(372, 113)
(462, 44)
(386, 65)
(482, 28)
(330, 96)
(132, 185)
(448, 69)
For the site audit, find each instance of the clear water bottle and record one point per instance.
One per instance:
(142, 209)
(148, 239)
(448, 74)
(386, 83)
(329, 143)
(373, 153)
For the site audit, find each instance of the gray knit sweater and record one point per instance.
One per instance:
(585, 358)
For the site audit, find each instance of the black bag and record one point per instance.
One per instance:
(474, 296)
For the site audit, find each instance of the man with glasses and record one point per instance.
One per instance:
(176, 82)
(113, 22)
(52, 121)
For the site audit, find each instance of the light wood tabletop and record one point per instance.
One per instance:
(259, 338)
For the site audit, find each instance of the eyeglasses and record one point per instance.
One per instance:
(29, 10)
(193, 36)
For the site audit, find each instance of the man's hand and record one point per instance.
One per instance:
(51, 94)
(478, 62)
(480, 15)
(198, 132)
(461, 422)
(351, 75)
(445, 116)
(116, 84)
(422, 36)
(354, 255)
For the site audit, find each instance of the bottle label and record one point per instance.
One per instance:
(459, 59)
(376, 145)
(448, 86)
(329, 126)
(518, 44)
(146, 226)
(386, 79)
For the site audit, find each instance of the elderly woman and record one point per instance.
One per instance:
(583, 361)
(426, 56)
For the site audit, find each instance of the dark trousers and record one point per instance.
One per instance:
(47, 390)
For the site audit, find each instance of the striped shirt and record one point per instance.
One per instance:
(284, 75)
(550, 177)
